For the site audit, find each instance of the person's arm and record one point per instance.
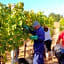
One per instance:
(58, 41)
(32, 32)
(28, 29)
(59, 38)
(49, 34)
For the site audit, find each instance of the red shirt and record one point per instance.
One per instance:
(61, 36)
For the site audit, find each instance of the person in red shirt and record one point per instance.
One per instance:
(59, 48)
(61, 38)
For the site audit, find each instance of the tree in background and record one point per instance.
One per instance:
(56, 17)
(62, 24)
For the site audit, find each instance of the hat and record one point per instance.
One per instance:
(36, 23)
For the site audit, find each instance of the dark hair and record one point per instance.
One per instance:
(45, 28)
(23, 61)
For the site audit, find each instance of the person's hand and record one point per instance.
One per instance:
(26, 27)
(34, 37)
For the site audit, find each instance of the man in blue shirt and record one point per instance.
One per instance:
(38, 37)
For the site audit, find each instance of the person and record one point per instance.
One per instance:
(47, 40)
(22, 61)
(38, 37)
(60, 41)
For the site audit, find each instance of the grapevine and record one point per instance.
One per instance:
(12, 20)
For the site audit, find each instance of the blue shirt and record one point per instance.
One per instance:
(38, 44)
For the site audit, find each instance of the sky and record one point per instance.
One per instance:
(47, 6)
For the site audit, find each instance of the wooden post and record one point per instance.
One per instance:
(12, 56)
(25, 49)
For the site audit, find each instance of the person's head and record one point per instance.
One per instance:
(36, 25)
(45, 28)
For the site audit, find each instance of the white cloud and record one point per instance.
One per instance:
(59, 10)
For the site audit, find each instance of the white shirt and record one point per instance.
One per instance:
(47, 35)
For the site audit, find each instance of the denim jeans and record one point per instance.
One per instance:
(38, 58)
